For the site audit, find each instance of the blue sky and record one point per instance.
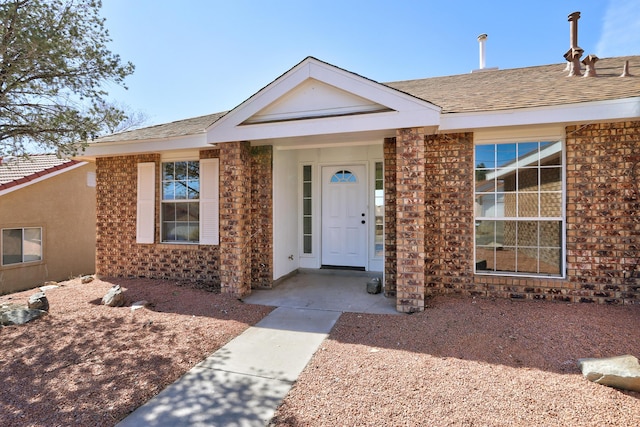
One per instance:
(196, 57)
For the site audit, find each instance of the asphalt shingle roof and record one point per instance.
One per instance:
(540, 86)
(489, 90)
(19, 170)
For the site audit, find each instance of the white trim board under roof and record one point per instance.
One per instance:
(316, 98)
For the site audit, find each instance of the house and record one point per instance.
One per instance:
(515, 183)
(47, 219)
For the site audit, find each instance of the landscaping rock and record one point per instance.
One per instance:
(374, 286)
(138, 305)
(45, 287)
(38, 301)
(621, 372)
(19, 316)
(114, 298)
(86, 279)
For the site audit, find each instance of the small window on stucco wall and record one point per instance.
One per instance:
(21, 245)
(518, 208)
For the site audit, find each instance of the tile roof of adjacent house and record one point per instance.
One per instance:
(18, 170)
(489, 90)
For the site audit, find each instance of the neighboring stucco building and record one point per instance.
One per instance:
(47, 220)
(518, 183)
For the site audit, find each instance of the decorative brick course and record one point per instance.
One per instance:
(118, 254)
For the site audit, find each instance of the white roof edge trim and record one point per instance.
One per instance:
(325, 126)
(547, 132)
(104, 149)
(596, 111)
(42, 178)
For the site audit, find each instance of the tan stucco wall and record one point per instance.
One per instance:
(65, 207)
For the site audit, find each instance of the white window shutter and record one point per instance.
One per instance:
(145, 221)
(209, 201)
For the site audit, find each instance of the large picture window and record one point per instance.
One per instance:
(180, 202)
(20, 245)
(518, 208)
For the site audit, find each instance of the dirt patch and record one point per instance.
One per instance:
(468, 362)
(87, 364)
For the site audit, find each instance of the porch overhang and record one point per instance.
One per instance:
(315, 99)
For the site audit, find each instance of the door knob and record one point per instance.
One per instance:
(363, 221)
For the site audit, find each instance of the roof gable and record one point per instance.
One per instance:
(318, 98)
(312, 99)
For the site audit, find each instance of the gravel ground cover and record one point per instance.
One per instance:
(468, 362)
(85, 364)
(462, 362)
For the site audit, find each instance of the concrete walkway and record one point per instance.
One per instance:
(243, 383)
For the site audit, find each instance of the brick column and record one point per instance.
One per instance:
(262, 216)
(410, 219)
(235, 213)
(390, 262)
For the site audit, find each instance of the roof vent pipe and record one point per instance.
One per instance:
(575, 52)
(625, 70)
(482, 39)
(590, 63)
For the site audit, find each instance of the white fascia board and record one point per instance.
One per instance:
(42, 178)
(597, 111)
(120, 148)
(326, 125)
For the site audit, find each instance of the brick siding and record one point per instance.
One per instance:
(118, 254)
(262, 216)
(602, 221)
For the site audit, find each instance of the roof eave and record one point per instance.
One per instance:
(585, 112)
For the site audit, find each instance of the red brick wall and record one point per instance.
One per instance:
(602, 211)
(262, 217)
(118, 254)
(410, 219)
(235, 218)
(449, 217)
(390, 268)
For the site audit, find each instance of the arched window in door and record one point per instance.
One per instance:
(343, 176)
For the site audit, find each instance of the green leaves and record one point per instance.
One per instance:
(54, 64)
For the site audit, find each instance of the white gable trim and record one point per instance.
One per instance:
(406, 110)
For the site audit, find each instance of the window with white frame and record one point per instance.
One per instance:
(519, 208)
(180, 212)
(21, 245)
(189, 202)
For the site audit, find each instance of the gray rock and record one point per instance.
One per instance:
(374, 286)
(38, 301)
(45, 288)
(138, 305)
(621, 372)
(86, 279)
(20, 316)
(114, 298)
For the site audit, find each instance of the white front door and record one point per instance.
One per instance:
(344, 216)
